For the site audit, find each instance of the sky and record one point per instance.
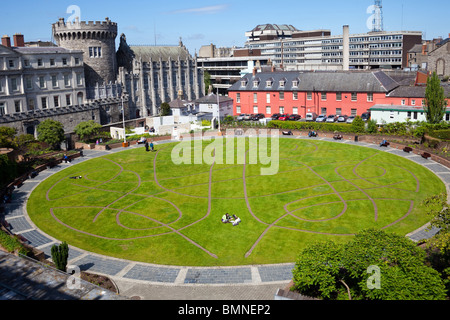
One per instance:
(221, 22)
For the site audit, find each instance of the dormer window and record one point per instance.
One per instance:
(295, 83)
(269, 83)
(282, 82)
(255, 83)
(243, 83)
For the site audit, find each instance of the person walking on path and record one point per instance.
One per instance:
(152, 146)
(146, 146)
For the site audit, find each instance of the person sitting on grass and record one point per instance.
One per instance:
(236, 221)
(226, 218)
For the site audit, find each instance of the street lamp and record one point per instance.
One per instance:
(218, 107)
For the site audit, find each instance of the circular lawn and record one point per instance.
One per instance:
(141, 206)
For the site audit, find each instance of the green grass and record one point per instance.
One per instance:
(119, 209)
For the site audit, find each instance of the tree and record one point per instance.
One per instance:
(7, 135)
(358, 125)
(438, 247)
(51, 132)
(207, 80)
(87, 129)
(165, 109)
(435, 100)
(341, 271)
(60, 255)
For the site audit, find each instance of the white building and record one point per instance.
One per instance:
(40, 78)
(319, 50)
(385, 114)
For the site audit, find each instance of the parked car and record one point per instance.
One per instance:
(365, 116)
(258, 116)
(284, 117)
(240, 117)
(276, 116)
(247, 117)
(321, 118)
(332, 118)
(295, 117)
(311, 116)
(342, 118)
(350, 119)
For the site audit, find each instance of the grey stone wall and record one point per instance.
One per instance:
(439, 60)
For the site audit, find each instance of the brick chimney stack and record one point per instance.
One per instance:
(6, 41)
(19, 40)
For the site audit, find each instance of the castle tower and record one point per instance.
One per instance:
(98, 42)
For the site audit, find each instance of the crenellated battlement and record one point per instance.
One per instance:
(76, 25)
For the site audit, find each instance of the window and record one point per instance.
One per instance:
(282, 83)
(403, 102)
(415, 115)
(294, 95)
(17, 106)
(338, 111)
(323, 111)
(339, 96)
(354, 96)
(255, 84)
(255, 109)
(11, 63)
(95, 52)
(44, 102)
(309, 96)
(39, 62)
(29, 83)
(413, 102)
(281, 95)
(68, 100)
(56, 101)
(295, 83)
(354, 112)
(26, 63)
(41, 82)
(14, 86)
(30, 104)
(238, 109)
(79, 79)
(268, 97)
(447, 117)
(255, 98)
(55, 81)
(77, 61)
(295, 110)
(324, 96)
(52, 62)
(238, 98)
(281, 110)
(64, 62)
(370, 97)
(409, 115)
(268, 110)
(66, 80)
(2, 108)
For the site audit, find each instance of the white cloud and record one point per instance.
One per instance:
(202, 10)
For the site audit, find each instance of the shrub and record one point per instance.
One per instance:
(11, 243)
(358, 125)
(60, 255)
(441, 134)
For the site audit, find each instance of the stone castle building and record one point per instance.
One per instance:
(97, 41)
(152, 75)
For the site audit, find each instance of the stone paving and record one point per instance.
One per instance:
(135, 275)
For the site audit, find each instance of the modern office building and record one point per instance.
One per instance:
(319, 50)
(227, 65)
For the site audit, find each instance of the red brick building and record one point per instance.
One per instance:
(346, 93)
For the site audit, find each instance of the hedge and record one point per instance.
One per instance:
(11, 243)
(441, 134)
(317, 126)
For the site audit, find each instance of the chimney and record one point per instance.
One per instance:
(346, 46)
(6, 41)
(254, 71)
(424, 48)
(19, 40)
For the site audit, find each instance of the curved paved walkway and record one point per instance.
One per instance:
(157, 282)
